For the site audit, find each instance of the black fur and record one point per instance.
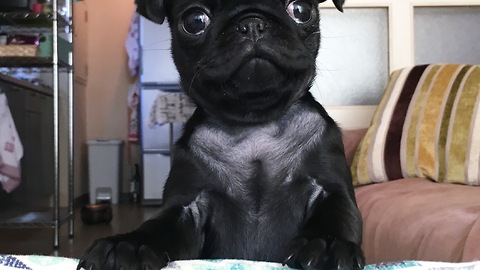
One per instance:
(260, 171)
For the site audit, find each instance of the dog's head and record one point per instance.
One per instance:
(242, 60)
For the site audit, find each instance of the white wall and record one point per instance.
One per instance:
(101, 87)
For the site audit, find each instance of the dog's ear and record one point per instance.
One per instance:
(338, 4)
(153, 10)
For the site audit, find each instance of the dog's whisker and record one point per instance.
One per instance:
(321, 72)
(317, 33)
(223, 86)
(191, 82)
(167, 40)
(199, 68)
(157, 49)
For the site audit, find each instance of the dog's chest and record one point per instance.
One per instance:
(271, 151)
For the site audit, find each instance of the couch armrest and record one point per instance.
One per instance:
(351, 140)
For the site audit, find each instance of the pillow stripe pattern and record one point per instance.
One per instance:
(427, 125)
(394, 134)
(473, 173)
(431, 122)
(378, 145)
(445, 125)
(368, 163)
(466, 105)
(413, 116)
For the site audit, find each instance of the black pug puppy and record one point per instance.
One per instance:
(260, 172)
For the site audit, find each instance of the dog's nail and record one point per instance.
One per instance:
(288, 259)
(359, 264)
(166, 256)
(310, 262)
(80, 264)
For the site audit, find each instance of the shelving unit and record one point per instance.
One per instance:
(30, 22)
(31, 62)
(54, 23)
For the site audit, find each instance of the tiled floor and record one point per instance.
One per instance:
(40, 241)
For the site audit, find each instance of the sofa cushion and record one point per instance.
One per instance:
(416, 219)
(427, 125)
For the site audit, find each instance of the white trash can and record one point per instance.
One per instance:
(104, 170)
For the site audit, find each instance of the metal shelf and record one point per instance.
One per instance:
(54, 23)
(35, 219)
(28, 22)
(30, 62)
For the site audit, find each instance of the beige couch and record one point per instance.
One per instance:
(417, 219)
(417, 167)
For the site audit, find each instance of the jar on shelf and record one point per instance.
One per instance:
(47, 6)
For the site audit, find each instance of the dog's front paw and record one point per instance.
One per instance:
(315, 254)
(127, 252)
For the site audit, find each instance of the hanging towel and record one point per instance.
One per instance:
(132, 45)
(11, 149)
(133, 102)
(170, 108)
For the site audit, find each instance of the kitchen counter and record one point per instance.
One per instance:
(25, 85)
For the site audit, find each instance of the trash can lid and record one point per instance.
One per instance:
(105, 142)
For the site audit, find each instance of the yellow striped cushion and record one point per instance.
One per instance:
(427, 125)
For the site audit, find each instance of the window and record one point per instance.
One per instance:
(352, 65)
(374, 37)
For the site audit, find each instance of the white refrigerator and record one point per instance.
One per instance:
(158, 76)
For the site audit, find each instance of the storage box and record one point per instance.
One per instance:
(18, 50)
(45, 48)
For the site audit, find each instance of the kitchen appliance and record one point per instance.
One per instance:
(158, 76)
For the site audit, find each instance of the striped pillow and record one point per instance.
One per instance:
(427, 125)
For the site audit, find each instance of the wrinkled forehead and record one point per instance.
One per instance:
(224, 4)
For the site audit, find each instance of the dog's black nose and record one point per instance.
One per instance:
(252, 28)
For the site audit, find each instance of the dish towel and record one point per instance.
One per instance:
(170, 108)
(132, 45)
(133, 102)
(11, 149)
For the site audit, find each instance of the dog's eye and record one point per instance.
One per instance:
(300, 11)
(195, 22)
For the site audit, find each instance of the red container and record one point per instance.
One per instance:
(37, 7)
